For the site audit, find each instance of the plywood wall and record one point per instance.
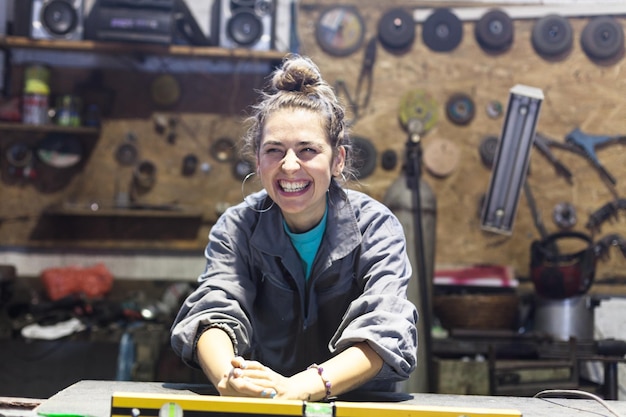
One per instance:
(578, 94)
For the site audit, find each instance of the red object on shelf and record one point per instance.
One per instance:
(94, 282)
(498, 276)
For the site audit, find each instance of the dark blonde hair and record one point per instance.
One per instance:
(298, 84)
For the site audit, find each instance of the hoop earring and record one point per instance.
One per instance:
(243, 194)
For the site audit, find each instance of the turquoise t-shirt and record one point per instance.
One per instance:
(308, 243)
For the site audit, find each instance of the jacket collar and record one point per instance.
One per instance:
(342, 231)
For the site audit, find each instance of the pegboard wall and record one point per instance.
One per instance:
(579, 93)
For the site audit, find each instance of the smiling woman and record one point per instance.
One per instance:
(304, 292)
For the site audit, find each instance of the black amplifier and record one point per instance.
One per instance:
(149, 21)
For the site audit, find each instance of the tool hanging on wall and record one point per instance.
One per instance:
(396, 30)
(552, 37)
(389, 160)
(588, 144)
(607, 212)
(365, 156)
(602, 39)
(460, 109)
(534, 210)
(543, 144)
(418, 106)
(564, 215)
(223, 150)
(442, 31)
(360, 100)
(494, 31)
(340, 30)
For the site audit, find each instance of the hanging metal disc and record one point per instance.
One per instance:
(602, 38)
(364, 155)
(552, 36)
(460, 109)
(340, 30)
(396, 29)
(442, 30)
(389, 160)
(494, 31)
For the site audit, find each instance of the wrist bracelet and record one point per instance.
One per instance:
(325, 380)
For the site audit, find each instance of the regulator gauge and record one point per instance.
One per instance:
(340, 30)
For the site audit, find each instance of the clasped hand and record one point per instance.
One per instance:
(252, 379)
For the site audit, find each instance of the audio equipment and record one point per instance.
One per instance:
(245, 24)
(57, 19)
(148, 21)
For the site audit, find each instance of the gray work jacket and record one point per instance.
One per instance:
(254, 287)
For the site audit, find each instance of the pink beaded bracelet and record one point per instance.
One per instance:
(325, 380)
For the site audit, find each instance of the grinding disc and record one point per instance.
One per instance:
(442, 30)
(364, 156)
(389, 160)
(552, 36)
(396, 29)
(418, 105)
(487, 150)
(340, 30)
(60, 151)
(460, 109)
(602, 38)
(441, 157)
(126, 154)
(494, 31)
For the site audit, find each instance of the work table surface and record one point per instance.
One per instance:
(93, 399)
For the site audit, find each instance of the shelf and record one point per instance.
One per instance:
(134, 48)
(49, 128)
(133, 210)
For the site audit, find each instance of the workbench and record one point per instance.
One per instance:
(93, 399)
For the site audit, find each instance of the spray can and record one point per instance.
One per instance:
(36, 94)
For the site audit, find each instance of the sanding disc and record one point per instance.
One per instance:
(396, 29)
(602, 38)
(460, 109)
(552, 36)
(442, 30)
(441, 157)
(419, 106)
(494, 31)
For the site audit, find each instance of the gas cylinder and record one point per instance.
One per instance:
(399, 198)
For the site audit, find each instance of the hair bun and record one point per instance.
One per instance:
(297, 74)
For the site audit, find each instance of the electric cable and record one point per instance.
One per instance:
(579, 393)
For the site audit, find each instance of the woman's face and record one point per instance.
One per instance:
(295, 162)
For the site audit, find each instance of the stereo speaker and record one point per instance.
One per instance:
(246, 24)
(57, 19)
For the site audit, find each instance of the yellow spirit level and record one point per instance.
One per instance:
(131, 404)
